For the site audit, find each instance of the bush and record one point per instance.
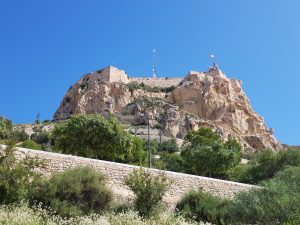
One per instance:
(132, 86)
(6, 126)
(276, 203)
(169, 146)
(40, 137)
(31, 144)
(17, 178)
(149, 190)
(201, 206)
(138, 156)
(76, 191)
(205, 154)
(265, 165)
(154, 144)
(172, 162)
(20, 135)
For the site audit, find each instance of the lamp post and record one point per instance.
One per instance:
(160, 134)
(149, 116)
(149, 145)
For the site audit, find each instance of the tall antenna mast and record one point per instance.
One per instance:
(154, 63)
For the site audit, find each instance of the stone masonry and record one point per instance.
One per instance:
(115, 173)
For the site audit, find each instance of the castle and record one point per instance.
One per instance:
(112, 74)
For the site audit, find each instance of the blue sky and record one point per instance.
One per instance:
(45, 46)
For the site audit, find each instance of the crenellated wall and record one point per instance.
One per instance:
(115, 173)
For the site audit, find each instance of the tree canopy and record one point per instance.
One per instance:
(206, 154)
(94, 136)
(6, 126)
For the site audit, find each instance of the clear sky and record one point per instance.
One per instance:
(46, 46)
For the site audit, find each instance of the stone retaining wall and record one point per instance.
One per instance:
(115, 173)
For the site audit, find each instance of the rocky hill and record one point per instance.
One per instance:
(175, 105)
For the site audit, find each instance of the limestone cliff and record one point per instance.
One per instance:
(201, 99)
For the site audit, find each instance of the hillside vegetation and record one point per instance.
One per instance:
(80, 194)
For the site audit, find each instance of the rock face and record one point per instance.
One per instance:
(222, 101)
(207, 99)
(95, 92)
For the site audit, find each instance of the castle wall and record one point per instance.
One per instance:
(157, 82)
(115, 173)
(113, 74)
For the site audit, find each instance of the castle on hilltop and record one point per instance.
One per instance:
(112, 74)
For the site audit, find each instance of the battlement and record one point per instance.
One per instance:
(157, 82)
(111, 74)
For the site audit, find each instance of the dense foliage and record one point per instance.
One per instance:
(169, 146)
(201, 206)
(148, 190)
(94, 136)
(264, 165)
(17, 178)
(276, 203)
(205, 154)
(6, 126)
(75, 191)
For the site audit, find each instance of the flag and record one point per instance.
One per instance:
(212, 56)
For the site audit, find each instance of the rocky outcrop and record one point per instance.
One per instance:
(92, 95)
(222, 101)
(207, 99)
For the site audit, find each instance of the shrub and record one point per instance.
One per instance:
(75, 191)
(276, 203)
(31, 144)
(132, 86)
(172, 161)
(20, 135)
(17, 177)
(40, 137)
(149, 190)
(153, 146)
(169, 146)
(138, 156)
(205, 154)
(201, 206)
(5, 128)
(265, 164)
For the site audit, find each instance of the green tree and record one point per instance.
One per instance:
(169, 146)
(149, 190)
(6, 126)
(17, 177)
(138, 156)
(172, 161)
(94, 136)
(205, 154)
(203, 137)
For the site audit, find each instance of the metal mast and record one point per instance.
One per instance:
(154, 63)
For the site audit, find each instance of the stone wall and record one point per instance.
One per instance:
(157, 82)
(115, 173)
